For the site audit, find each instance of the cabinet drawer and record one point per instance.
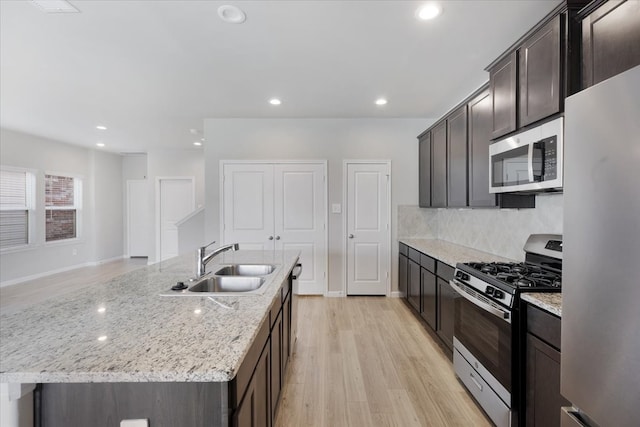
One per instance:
(544, 325)
(428, 263)
(404, 249)
(414, 255)
(445, 271)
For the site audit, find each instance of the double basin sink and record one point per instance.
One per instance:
(234, 279)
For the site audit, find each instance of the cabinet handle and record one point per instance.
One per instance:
(351, 236)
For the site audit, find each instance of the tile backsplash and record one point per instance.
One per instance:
(498, 231)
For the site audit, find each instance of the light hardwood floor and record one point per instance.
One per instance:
(366, 361)
(21, 295)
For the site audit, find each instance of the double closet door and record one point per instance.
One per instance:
(279, 206)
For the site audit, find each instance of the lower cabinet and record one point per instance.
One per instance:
(254, 410)
(428, 297)
(542, 378)
(413, 286)
(276, 364)
(446, 297)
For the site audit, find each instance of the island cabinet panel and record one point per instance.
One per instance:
(276, 362)
(439, 165)
(106, 404)
(286, 335)
(610, 40)
(457, 158)
(424, 170)
(502, 81)
(254, 410)
(479, 141)
(539, 80)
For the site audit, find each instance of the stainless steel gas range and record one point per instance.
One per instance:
(486, 329)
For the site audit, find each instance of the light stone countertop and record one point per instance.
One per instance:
(149, 338)
(550, 302)
(450, 253)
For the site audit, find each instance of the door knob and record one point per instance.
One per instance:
(277, 237)
(351, 236)
(270, 237)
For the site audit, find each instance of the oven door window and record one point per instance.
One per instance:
(511, 167)
(487, 337)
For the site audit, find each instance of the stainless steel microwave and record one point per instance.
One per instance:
(529, 161)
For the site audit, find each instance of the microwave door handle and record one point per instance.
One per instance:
(530, 162)
(504, 315)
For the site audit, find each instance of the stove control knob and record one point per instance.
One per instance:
(498, 293)
(462, 276)
(490, 290)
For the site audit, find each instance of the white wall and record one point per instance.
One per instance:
(317, 139)
(172, 163)
(101, 174)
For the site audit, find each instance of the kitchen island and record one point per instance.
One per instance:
(122, 332)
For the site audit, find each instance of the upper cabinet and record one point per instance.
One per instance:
(610, 39)
(502, 81)
(479, 140)
(457, 158)
(424, 168)
(539, 74)
(439, 165)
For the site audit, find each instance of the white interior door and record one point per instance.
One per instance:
(176, 201)
(248, 205)
(138, 218)
(368, 229)
(300, 220)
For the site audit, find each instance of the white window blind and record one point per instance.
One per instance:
(16, 207)
(62, 202)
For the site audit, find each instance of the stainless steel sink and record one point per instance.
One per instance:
(226, 284)
(246, 270)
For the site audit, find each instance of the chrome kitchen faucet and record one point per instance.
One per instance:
(204, 259)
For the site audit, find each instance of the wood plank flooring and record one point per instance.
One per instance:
(366, 361)
(21, 295)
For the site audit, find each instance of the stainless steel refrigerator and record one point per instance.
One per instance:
(600, 365)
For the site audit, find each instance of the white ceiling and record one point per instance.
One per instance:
(153, 70)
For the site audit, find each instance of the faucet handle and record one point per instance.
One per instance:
(202, 248)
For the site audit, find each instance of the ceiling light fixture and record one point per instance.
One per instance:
(55, 6)
(275, 101)
(100, 144)
(428, 11)
(231, 14)
(198, 143)
(381, 101)
(101, 127)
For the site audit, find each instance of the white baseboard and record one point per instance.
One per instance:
(334, 294)
(56, 271)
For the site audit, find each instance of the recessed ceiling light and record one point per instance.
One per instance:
(428, 11)
(381, 101)
(198, 143)
(100, 144)
(101, 127)
(102, 338)
(55, 6)
(275, 101)
(231, 14)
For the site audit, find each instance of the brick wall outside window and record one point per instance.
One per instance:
(60, 207)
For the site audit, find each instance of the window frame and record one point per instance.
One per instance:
(30, 207)
(77, 206)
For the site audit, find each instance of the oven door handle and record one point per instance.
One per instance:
(504, 315)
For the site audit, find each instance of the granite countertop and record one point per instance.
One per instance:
(550, 302)
(450, 253)
(124, 331)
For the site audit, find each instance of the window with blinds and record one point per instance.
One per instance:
(17, 196)
(62, 202)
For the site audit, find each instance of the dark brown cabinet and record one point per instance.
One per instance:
(503, 87)
(413, 292)
(610, 40)
(539, 74)
(424, 170)
(457, 158)
(428, 291)
(439, 165)
(403, 268)
(446, 296)
(479, 141)
(276, 362)
(254, 409)
(542, 386)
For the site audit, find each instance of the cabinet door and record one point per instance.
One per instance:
(610, 41)
(543, 401)
(428, 312)
(276, 363)
(479, 141)
(254, 409)
(286, 336)
(414, 285)
(457, 158)
(439, 166)
(446, 297)
(539, 82)
(502, 83)
(424, 170)
(403, 267)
